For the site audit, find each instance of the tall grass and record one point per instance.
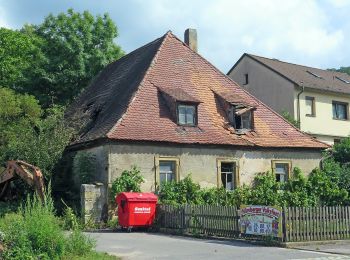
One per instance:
(34, 232)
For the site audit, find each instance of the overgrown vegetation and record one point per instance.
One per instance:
(129, 180)
(317, 189)
(34, 232)
(286, 115)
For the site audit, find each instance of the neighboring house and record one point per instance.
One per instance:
(166, 109)
(318, 99)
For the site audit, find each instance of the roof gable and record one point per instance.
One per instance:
(184, 74)
(323, 80)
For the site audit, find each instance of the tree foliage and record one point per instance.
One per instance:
(29, 133)
(77, 46)
(56, 59)
(20, 55)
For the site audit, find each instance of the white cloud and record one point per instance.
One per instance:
(339, 3)
(308, 32)
(289, 30)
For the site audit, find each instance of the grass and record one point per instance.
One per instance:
(34, 232)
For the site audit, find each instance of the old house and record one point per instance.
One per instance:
(166, 109)
(318, 99)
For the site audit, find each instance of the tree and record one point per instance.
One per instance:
(342, 69)
(77, 46)
(19, 53)
(27, 132)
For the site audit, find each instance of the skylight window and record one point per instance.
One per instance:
(314, 74)
(343, 80)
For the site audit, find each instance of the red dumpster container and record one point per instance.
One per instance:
(136, 209)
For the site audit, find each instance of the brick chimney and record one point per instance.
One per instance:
(191, 39)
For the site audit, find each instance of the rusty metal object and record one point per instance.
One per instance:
(29, 173)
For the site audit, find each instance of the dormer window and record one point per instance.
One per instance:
(182, 106)
(187, 114)
(240, 112)
(244, 121)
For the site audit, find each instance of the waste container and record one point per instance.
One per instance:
(136, 209)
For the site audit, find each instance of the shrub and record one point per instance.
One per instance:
(130, 180)
(34, 233)
(317, 189)
(265, 191)
(182, 192)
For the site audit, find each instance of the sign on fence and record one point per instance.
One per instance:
(261, 220)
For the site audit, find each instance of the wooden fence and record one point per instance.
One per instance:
(299, 224)
(199, 219)
(316, 223)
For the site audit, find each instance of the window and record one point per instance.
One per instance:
(246, 79)
(227, 174)
(187, 114)
(340, 110)
(343, 80)
(167, 170)
(310, 106)
(243, 121)
(281, 169)
(314, 74)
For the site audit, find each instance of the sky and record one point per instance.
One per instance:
(307, 32)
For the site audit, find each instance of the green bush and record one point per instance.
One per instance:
(130, 180)
(317, 189)
(34, 232)
(182, 192)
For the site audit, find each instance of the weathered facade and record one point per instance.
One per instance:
(201, 162)
(167, 110)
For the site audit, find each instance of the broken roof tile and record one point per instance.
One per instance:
(130, 108)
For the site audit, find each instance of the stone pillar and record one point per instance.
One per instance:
(93, 202)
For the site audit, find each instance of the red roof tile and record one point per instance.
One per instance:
(175, 66)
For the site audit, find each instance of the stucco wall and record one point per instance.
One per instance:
(201, 161)
(266, 85)
(323, 126)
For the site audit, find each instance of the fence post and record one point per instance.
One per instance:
(284, 228)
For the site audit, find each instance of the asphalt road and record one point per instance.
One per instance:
(158, 246)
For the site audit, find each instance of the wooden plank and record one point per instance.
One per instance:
(337, 217)
(347, 222)
(316, 216)
(307, 222)
(347, 213)
(312, 223)
(328, 221)
(323, 223)
(298, 221)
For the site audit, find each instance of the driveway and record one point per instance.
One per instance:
(158, 246)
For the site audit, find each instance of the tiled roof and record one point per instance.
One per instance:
(136, 112)
(328, 80)
(179, 94)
